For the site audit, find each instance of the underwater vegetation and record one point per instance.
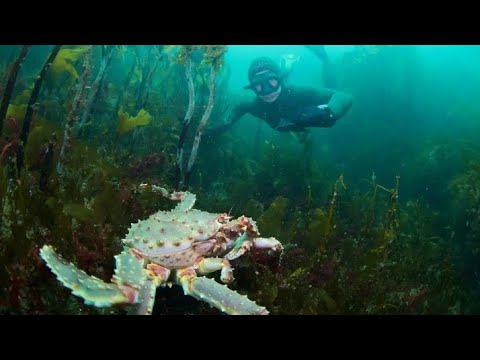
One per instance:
(85, 126)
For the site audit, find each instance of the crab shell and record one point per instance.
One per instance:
(177, 239)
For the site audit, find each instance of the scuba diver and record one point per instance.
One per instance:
(289, 108)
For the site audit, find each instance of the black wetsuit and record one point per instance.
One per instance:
(295, 109)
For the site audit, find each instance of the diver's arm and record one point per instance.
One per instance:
(326, 107)
(339, 102)
(236, 114)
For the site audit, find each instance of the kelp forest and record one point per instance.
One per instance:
(379, 215)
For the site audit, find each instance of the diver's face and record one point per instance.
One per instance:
(268, 90)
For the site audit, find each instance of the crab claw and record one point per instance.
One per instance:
(237, 252)
(242, 245)
(271, 244)
(266, 250)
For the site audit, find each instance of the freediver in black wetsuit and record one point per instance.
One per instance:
(289, 108)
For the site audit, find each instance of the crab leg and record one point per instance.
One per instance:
(157, 276)
(209, 265)
(217, 295)
(187, 199)
(129, 278)
(146, 299)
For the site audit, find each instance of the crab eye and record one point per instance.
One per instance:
(258, 88)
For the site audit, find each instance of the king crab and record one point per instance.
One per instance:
(172, 247)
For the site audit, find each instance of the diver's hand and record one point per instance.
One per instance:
(327, 112)
(224, 125)
(313, 114)
(325, 108)
(317, 116)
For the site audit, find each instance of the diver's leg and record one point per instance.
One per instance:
(328, 73)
